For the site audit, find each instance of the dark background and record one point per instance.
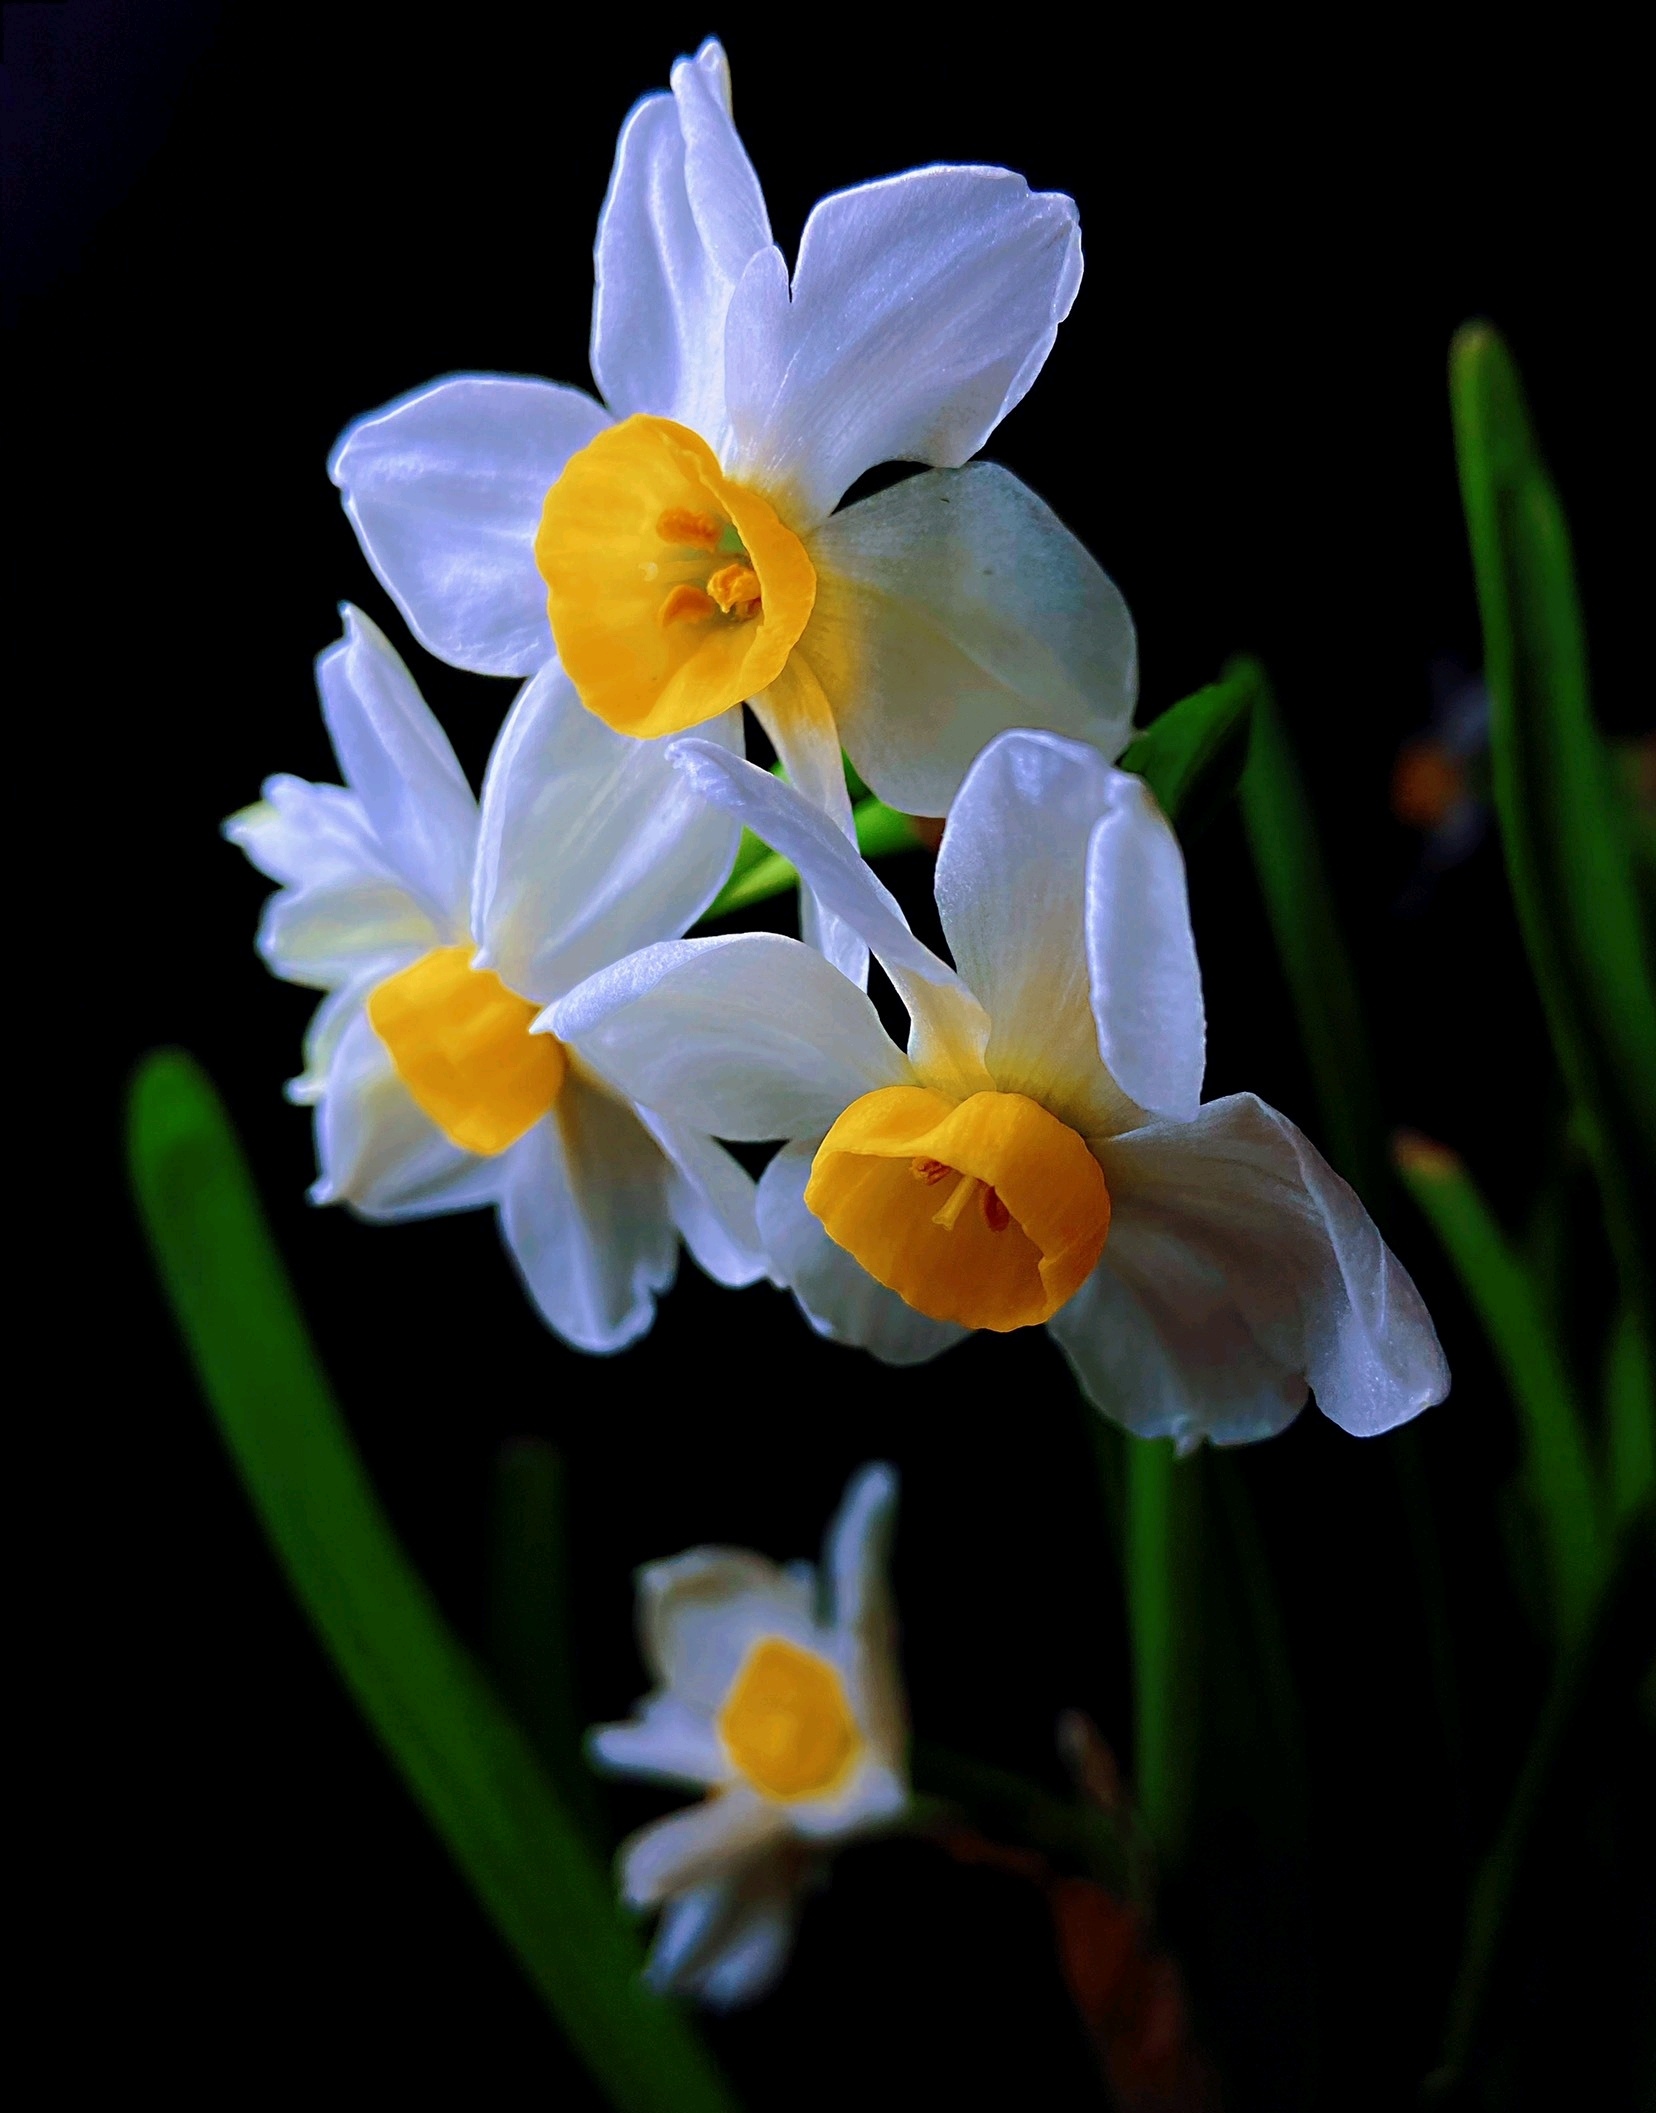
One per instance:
(231, 230)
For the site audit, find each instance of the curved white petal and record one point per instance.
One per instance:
(836, 1294)
(326, 936)
(1011, 892)
(379, 1153)
(308, 836)
(699, 1613)
(950, 1028)
(749, 1037)
(1258, 1268)
(584, 1218)
(667, 1741)
(955, 605)
(328, 1024)
(743, 1960)
(683, 215)
(398, 762)
(856, 1566)
(711, 1198)
(591, 844)
(1141, 954)
(922, 308)
(799, 723)
(444, 488)
(689, 1848)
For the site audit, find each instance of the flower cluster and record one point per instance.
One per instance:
(513, 1015)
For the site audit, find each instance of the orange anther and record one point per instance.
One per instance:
(995, 1213)
(930, 1171)
(685, 603)
(684, 526)
(735, 588)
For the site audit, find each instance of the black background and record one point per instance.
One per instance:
(232, 230)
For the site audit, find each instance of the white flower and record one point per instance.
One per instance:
(780, 1696)
(439, 932)
(688, 557)
(1041, 1152)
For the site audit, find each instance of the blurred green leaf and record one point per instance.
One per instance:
(1163, 1542)
(1004, 1804)
(1568, 851)
(1630, 1405)
(529, 1624)
(1558, 1467)
(1192, 756)
(466, 1762)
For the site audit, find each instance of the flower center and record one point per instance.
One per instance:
(672, 592)
(461, 1044)
(987, 1211)
(786, 1723)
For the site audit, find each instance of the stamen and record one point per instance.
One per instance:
(995, 1213)
(949, 1215)
(689, 529)
(685, 604)
(736, 590)
(930, 1171)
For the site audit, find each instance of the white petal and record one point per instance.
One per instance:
(1260, 1270)
(327, 936)
(591, 843)
(752, 1036)
(725, 1942)
(1011, 891)
(950, 1028)
(584, 1217)
(308, 836)
(922, 308)
(689, 1848)
(749, 1957)
(856, 1564)
(683, 215)
(875, 1795)
(950, 607)
(398, 762)
(327, 1028)
(379, 1153)
(796, 717)
(667, 1741)
(445, 488)
(700, 1613)
(836, 1294)
(1146, 985)
(711, 1198)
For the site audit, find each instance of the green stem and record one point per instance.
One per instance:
(1163, 1545)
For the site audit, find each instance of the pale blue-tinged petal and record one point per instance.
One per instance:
(666, 1742)
(1141, 954)
(748, 1037)
(950, 1028)
(711, 1198)
(584, 1218)
(379, 1153)
(327, 1027)
(856, 1566)
(699, 1614)
(747, 1959)
(835, 1293)
(922, 308)
(1259, 1269)
(308, 836)
(701, 1843)
(683, 215)
(799, 724)
(445, 488)
(591, 844)
(398, 762)
(1011, 892)
(955, 605)
(324, 937)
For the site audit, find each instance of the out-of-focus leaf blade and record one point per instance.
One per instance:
(1630, 1403)
(468, 1765)
(1192, 756)
(1568, 852)
(529, 1628)
(1558, 1466)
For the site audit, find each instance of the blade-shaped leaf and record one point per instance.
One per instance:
(466, 1762)
(1558, 1467)
(1192, 756)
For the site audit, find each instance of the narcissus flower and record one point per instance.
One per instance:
(777, 1693)
(1041, 1153)
(440, 932)
(677, 544)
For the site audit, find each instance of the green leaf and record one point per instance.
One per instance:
(529, 1627)
(1558, 1467)
(1630, 1391)
(1568, 851)
(466, 1762)
(1163, 1542)
(1192, 756)
(1322, 988)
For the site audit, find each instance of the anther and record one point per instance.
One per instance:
(690, 530)
(685, 603)
(930, 1171)
(735, 588)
